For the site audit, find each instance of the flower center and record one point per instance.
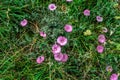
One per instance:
(52, 7)
(67, 27)
(62, 40)
(55, 48)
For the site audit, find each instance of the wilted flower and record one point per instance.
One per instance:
(68, 28)
(65, 58)
(109, 68)
(40, 59)
(101, 38)
(87, 32)
(69, 0)
(56, 49)
(100, 49)
(64, 9)
(105, 30)
(62, 40)
(99, 18)
(114, 76)
(58, 57)
(86, 12)
(43, 34)
(52, 7)
(23, 22)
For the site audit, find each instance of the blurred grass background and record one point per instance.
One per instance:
(20, 46)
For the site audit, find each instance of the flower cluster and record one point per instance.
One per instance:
(113, 76)
(101, 40)
(61, 41)
(56, 49)
(86, 12)
(101, 37)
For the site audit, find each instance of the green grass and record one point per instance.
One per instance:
(20, 46)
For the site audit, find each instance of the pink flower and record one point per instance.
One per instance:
(69, 0)
(56, 49)
(101, 38)
(109, 68)
(68, 28)
(52, 7)
(99, 18)
(86, 12)
(65, 58)
(58, 57)
(114, 77)
(40, 59)
(43, 34)
(100, 49)
(62, 40)
(23, 22)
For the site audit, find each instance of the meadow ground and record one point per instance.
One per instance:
(20, 46)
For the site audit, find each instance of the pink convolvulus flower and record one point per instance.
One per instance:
(68, 28)
(101, 38)
(86, 12)
(69, 0)
(58, 57)
(100, 49)
(109, 68)
(99, 18)
(52, 7)
(65, 58)
(114, 76)
(56, 49)
(43, 34)
(62, 40)
(40, 59)
(23, 22)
